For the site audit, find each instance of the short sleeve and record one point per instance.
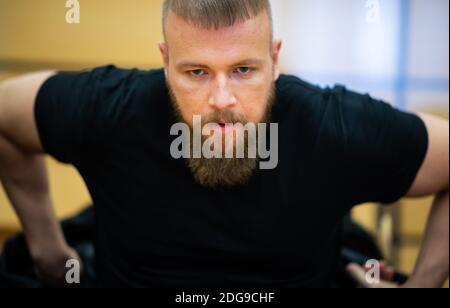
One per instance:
(75, 110)
(379, 148)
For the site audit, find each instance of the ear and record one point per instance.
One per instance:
(164, 53)
(276, 49)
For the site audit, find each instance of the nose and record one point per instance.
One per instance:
(222, 98)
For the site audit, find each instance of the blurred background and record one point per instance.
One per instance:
(396, 50)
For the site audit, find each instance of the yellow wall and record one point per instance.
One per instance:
(118, 31)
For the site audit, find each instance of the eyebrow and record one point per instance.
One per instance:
(246, 62)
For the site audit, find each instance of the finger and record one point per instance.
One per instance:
(387, 272)
(358, 273)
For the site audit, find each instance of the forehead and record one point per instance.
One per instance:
(188, 42)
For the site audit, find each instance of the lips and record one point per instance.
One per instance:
(223, 127)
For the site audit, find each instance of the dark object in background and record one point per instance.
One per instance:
(358, 246)
(17, 271)
(16, 266)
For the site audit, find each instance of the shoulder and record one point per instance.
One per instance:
(304, 98)
(130, 98)
(293, 88)
(117, 79)
(332, 116)
(115, 100)
(308, 105)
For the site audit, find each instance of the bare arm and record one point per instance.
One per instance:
(432, 267)
(24, 176)
(432, 179)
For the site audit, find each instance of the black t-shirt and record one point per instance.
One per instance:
(156, 227)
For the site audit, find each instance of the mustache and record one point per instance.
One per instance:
(224, 117)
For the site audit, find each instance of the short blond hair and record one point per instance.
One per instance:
(215, 14)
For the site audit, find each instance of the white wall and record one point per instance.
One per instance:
(403, 58)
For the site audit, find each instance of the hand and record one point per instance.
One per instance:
(51, 268)
(358, 273)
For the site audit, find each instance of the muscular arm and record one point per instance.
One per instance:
(432, 179)
(23, 174)
(432, 267)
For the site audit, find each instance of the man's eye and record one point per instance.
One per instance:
(244, 70)
(197, 73)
